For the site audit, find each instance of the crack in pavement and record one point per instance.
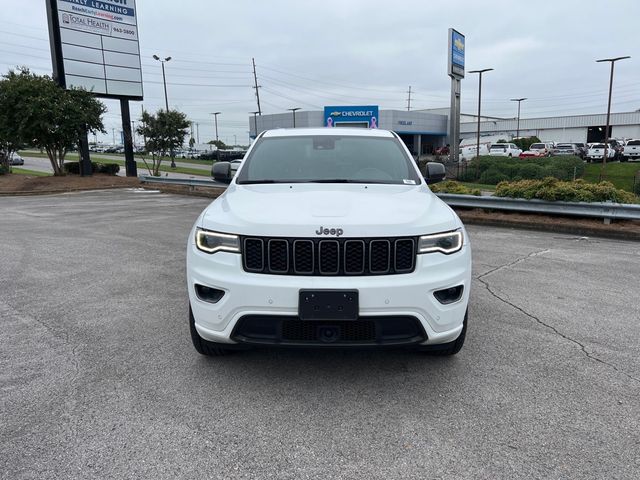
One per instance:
(583, 348)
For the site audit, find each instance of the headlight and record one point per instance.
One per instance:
(449, 242)
(212, 242)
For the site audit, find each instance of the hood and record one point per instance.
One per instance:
(300, 210)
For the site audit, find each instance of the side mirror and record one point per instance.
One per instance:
(221, 172)
(435, 173)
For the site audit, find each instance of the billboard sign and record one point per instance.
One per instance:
(94, 44)
(456, 54)
(366, 116)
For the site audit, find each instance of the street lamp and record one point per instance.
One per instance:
(518, 125)
(215, 116)
(166, 98)
(255, 121)
(293, 110)
(606, 131)
(164, 79)
(479, 72)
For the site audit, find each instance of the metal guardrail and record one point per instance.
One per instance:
(192, 182)
(605, 210)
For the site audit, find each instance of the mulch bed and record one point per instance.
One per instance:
(29, 185)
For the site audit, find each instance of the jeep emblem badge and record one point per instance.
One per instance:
(329, 231)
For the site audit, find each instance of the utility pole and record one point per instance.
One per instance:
(255, 79)
(255, 122)
(198, 133)
(409, 99)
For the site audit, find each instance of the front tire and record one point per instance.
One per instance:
(451, 348)
(202, 346)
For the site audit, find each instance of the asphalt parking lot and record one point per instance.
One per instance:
(98, 378)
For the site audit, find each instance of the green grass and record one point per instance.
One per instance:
(620, 174)
(97, 157)
(24, 171)
(165, 167)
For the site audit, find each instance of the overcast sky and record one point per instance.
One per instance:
(353, 52)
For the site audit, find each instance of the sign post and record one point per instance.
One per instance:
(94, 45)
(455, 70)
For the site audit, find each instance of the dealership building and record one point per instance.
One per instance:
(425, 130)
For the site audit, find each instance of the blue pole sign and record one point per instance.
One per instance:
(366, 116)
(456, 53)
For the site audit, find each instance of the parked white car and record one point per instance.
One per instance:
(596, 152)
(15, 159)
(328, 237)
(504, 150)
(631, 150)
(469, 152)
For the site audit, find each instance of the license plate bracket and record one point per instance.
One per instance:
(328, 305)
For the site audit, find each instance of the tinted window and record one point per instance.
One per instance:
(597, 145)
(633, 142)
(328, 158)
(539, 146)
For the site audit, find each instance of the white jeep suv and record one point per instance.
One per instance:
(328, 237)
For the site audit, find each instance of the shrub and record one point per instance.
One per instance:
(552, 189)
(3, 169)
(493, 170)
(493, 176)
(454, 187)
(73, 168)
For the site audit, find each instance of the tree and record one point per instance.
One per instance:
(34, 109)
(219, 144)
(165, 132)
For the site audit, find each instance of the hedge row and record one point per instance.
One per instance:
(493, 170)
(552, 189)
(454, 187)
(106, 168)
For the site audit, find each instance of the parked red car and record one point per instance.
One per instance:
(532, 153)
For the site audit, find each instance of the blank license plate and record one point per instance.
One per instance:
(328, 305)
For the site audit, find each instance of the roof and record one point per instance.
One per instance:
(355, 132)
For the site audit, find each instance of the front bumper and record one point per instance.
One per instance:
(403, 295)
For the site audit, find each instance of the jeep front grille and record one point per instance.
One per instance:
(329, 257)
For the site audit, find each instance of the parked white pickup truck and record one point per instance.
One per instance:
(631, 151)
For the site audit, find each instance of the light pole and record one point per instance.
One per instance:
(293, 110)
(164, 79)
(479, 72)
(166, 98)
(518, 124)
(215, 117)
(255, 122)
(606, 130)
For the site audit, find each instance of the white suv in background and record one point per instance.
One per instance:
(631, 150)
(328, 237)
(504, 150)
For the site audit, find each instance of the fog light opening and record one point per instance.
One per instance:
(449, 295)
(209, 294)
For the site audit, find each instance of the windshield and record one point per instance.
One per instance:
(328, 159)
